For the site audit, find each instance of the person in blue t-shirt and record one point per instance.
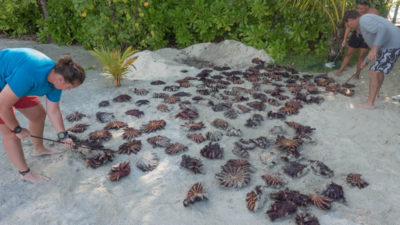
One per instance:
(26, 74)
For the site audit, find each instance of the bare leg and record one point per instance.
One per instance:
(381, 77)
(361, 56)
(375, 83)
(350, 52)
(36, 116)
(13, 148)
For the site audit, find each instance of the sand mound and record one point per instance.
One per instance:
(168, 62)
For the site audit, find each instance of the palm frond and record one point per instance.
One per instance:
(115, 63)
(332, 9)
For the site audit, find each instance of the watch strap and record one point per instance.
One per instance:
(62, 135)
(17, 130)
(23, 173)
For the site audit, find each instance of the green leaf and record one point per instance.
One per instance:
(115, 62)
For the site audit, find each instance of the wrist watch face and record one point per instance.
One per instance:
(17, 129)
(62, 135)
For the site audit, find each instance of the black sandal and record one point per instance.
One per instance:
(23, 173)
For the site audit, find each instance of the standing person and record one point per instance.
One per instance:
(384, 40)
(356, 41)
(25, 74)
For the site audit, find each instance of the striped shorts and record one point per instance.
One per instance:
(385, 60)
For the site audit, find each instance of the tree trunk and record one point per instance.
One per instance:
(42, 5)
(117, 82)
(45, 14)
(395, 13)
(335, 48)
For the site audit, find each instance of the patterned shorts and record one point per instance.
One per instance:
(385, 60)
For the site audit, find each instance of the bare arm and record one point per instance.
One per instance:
(371, 56)
(8, 99)
(346, 34)
(373, 11)
(372, 53)
(55, 116)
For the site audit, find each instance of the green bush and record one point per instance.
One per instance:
(154, 24)
(62, 25)
(18, 17)
(383, 6)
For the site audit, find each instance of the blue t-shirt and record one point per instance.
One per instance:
(26, 71)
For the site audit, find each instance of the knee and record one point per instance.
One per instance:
(349, 53)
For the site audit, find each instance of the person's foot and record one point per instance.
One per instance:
(365, 105)
(43, 151)
(35, 178)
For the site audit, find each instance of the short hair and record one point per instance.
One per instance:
(72, 72)
(351, 14)
(363, 2)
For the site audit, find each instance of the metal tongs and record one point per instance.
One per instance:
(86, 153)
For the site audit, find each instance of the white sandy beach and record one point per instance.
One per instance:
(347, 139)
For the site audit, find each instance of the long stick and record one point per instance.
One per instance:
(339, 53)
(350, 78)
(47, 139)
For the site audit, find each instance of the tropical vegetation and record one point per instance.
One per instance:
(116, 63)
(282, 28)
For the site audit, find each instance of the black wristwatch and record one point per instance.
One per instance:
(62, 135)
(17, 129)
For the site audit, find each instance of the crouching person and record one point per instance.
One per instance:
(26, 74)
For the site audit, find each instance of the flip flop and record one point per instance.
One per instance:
(396, 98)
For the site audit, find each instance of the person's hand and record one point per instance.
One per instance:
(68, 142)
(23, 134)
(344, 43)
(372, 53)
(363, 64)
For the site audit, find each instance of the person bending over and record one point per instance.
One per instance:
(384, 40)
(356, 41)
(26, 74)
